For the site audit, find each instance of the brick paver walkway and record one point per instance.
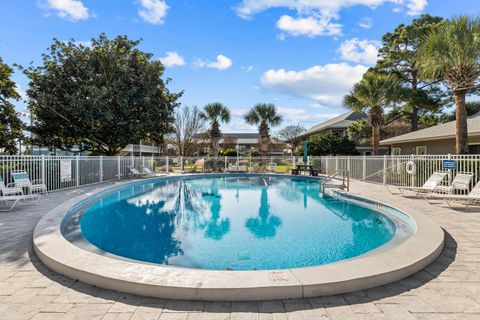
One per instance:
(447, 289)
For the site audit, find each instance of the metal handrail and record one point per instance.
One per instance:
(345, 180)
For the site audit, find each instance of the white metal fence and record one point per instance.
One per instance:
(63, 172)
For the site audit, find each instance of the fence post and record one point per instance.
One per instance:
(336, 163)
(101, 168)
(167, 165)
(77, 170)
(348, 165)
(413, 176)
(143, 161)
(119, 172)
(225, 163)
(384, 169)
(364, 167)
(181, 164)
(449, 171)
(43, 169)
(308, 160)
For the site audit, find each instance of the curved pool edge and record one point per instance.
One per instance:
(164, 281)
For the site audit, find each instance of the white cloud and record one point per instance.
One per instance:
(247, 68)
(365, 23)
(172, 59)
(73, 10)
(325, 84)
(299, 115)
(309, 26)
(153, 11)
(314, 17)
(415, 7)
(222, 63)
(356, 50)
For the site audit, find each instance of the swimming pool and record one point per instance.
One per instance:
(228, 222)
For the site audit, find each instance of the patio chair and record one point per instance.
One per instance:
(14, 199)
(428, 187)
(461, 182)
(134, 173)
(272, 167)
(22, 180)
(9, 189)
(147, 172)
(471, 198)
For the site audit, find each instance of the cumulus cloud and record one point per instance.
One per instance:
(365, 23)
(356, 50)
(73, 10)
(172, 59)
(415, 7)
(315, 17)
(153, 11)
(309, 26)
(221, 63)
(299, 115)
(325, 84)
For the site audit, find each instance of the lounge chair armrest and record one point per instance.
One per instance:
(10, 185)
(37, 181)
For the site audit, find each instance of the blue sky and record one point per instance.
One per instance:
(301, 55)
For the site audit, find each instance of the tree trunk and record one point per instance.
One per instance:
(414, 119)
(375, 139)
(414, 115)
(461, 145)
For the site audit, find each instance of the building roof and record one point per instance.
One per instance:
(340, 122)
(442, 131)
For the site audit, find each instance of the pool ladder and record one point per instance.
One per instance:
(328, 182)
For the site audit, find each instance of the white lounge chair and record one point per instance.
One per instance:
(22, 180)
(272, 167)
(461, 182)
(235, 168)
(13, 199)
(9, 189)
(147, 172)
(133, 172)
(471, 198)
(428, 187)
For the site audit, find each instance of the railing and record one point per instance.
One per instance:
(327, 181)
(391, 170)
(63, 172)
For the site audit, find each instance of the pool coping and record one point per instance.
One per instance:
(164, 281)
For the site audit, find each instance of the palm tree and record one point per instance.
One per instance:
(372, 94)
(452, 52)
(215, 113)
(263, 115)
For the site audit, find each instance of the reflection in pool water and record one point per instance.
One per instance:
(236, 222)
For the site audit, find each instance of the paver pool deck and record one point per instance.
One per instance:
(449, 288)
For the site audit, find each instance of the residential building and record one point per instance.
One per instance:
(339, 126)
(439, 139)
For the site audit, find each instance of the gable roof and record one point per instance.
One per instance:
(442, 131)
(340, 122)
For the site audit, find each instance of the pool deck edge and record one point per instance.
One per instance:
(193, 284)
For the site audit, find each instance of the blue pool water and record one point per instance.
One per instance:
(232, 222)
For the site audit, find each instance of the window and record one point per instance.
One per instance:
(474, 149)
(396, 151)
(421, 150)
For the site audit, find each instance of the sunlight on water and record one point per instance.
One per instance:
(239, 223)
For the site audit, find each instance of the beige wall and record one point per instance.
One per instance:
(444, 146)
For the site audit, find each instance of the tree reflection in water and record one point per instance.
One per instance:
(216, 228)
(266, 224)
